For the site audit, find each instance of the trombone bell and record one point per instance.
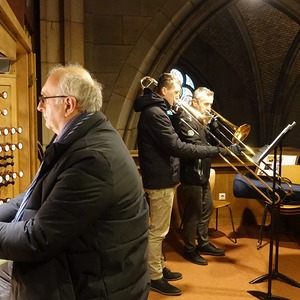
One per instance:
(241, 133)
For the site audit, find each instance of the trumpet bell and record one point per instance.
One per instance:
(241, 133)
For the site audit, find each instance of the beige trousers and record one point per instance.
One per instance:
(161, 203)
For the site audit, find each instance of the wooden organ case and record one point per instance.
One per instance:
(18, 137)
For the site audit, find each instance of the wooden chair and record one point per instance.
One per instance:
(218, 204)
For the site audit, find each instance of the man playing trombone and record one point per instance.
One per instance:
(159, 151)
(194, 177)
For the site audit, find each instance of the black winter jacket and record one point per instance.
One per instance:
(193, 171)
(159, 146)
(84, 231)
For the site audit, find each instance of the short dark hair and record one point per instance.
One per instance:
(166, 80)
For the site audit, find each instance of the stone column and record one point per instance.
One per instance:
(61, 38)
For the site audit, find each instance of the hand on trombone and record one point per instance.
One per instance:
(234, 148)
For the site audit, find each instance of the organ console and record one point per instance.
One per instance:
(4, 112)
(8, 145)
(11, 130)
(4, 95)
(18, 102)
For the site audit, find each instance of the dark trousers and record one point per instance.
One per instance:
(197, 213)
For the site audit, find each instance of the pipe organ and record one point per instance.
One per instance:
(9, 145)
(18, 114)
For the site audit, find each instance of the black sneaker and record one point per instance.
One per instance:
(171, 276)
(164, 287)
(194, 257)
(210, 249)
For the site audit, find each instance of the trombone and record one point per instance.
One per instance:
(238, 135)
(147, 81)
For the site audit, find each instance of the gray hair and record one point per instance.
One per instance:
(202, 92)
(76, 81)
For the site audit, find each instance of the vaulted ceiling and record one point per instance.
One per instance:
(248, 53)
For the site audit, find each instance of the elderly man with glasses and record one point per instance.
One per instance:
(80, 230)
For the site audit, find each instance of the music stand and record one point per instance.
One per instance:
(275, 213)
(260, 156)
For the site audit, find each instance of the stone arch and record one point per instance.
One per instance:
(171, 31)
(175, 34)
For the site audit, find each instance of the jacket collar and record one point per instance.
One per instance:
(56, 149)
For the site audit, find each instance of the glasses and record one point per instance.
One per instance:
(43, 98)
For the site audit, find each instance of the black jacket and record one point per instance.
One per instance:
(84, 231)
(193, 171)
(159, 145)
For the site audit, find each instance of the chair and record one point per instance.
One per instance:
(291, 172)
(218, 204)
(242, 188)
(291, 206)
(285, 209)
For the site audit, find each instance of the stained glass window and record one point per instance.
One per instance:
(187, 83)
